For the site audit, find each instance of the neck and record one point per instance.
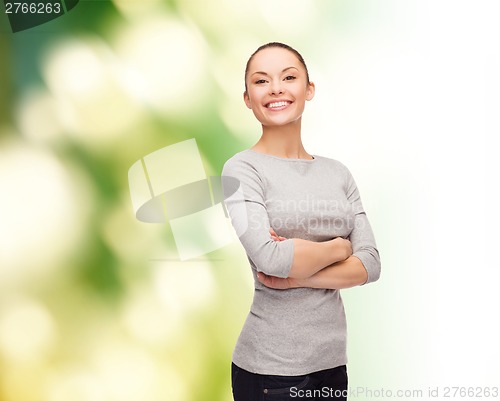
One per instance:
(282, 141)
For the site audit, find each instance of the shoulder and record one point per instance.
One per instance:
(243, 162)
(337, 169)
(332, 164)
(243, 170)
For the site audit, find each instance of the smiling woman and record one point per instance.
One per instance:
(304, 241)
(276, 79)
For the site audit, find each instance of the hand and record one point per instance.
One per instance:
(275, 236)
(343, 247)
(277, 283)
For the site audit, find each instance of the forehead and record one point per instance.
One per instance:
(274, 59)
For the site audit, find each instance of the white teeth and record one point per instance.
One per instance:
(277, 104)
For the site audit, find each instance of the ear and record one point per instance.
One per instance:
(311, 90)
(246, 98)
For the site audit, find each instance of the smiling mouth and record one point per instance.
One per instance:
(278, 105)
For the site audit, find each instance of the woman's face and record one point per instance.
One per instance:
(277, 87)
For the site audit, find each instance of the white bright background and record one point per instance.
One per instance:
(410, 104)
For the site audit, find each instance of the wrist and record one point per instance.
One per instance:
(339, 249)
(297, 282)
(336, 250)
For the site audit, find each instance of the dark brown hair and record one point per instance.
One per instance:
(282, 46)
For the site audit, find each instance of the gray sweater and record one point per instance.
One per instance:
(300, 330)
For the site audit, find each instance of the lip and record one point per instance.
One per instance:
(279, 104)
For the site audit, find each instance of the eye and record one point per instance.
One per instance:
(260, 81)
(290, 78)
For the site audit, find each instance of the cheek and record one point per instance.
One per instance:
(253, 97)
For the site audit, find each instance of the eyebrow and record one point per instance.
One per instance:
(265, 73)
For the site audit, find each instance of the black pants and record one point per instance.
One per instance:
(329, 384)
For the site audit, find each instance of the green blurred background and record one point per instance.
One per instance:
(96, 306)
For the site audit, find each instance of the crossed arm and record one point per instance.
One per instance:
(345, 272)
(288, 263)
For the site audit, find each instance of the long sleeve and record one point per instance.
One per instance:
(244, 194)
(302, 330)
(361, 236)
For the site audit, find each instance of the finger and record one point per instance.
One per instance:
(261, 277)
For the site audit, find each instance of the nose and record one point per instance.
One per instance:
(276, 88)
